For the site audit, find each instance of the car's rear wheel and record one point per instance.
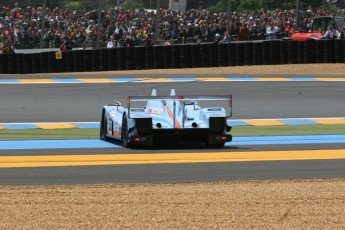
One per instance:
(125, 137)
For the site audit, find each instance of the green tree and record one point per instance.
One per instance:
(247, 5)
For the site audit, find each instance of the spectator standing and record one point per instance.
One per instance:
(332, 33)
(112, 43)
(66, 46)
(342, 34)
(271, 32)
(217, 38)
(149, 41)
(226, 39)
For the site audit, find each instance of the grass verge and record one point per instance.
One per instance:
(44, 134)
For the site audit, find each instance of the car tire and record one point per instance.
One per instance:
(103, 127)
(217, 145)
(125, 137)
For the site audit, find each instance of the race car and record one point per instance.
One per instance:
(168, 120)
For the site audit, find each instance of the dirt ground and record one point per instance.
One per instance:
(290, 204)
(305, 204)
(297, 69)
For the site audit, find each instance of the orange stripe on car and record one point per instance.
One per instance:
(177, 124)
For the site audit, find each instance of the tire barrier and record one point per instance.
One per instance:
(309, 51)
(12, 63)
(248, 53)
(139, 56)
(95, 59)
(185, 56)
(292, 52)
(223, 55)
(167, 57)
(213, 55)
(300, 52)
(339, 51)
(112, 59)
(148, 57)
(239, 54)
(284, 52)
(103, 60)
(175, 56)
(265, 52)
(195, 56)
(257, 53)
(204, 57)
(319, 55)
(27, 64)
(274, 52)
(4, 63)
(20, 59)
(69, 62)
(121, 58)
(130, 65)
(62, 63)
(87, 65)
(158, 61)
(52, 63)
(44, 62)
(329, 51)
(78, 60)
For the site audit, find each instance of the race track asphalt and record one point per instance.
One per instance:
(83, 102)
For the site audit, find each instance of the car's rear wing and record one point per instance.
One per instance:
(224, 101)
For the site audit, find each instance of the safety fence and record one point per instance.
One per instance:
(272, 52)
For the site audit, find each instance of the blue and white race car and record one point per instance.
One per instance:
(168, 120)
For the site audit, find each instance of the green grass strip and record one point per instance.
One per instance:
(50, 134)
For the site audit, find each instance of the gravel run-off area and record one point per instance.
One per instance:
(288, 204)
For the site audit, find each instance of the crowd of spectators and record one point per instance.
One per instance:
(21, 26)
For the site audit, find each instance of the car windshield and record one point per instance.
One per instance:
(321, 24)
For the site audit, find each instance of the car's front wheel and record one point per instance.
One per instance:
(103, 127)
